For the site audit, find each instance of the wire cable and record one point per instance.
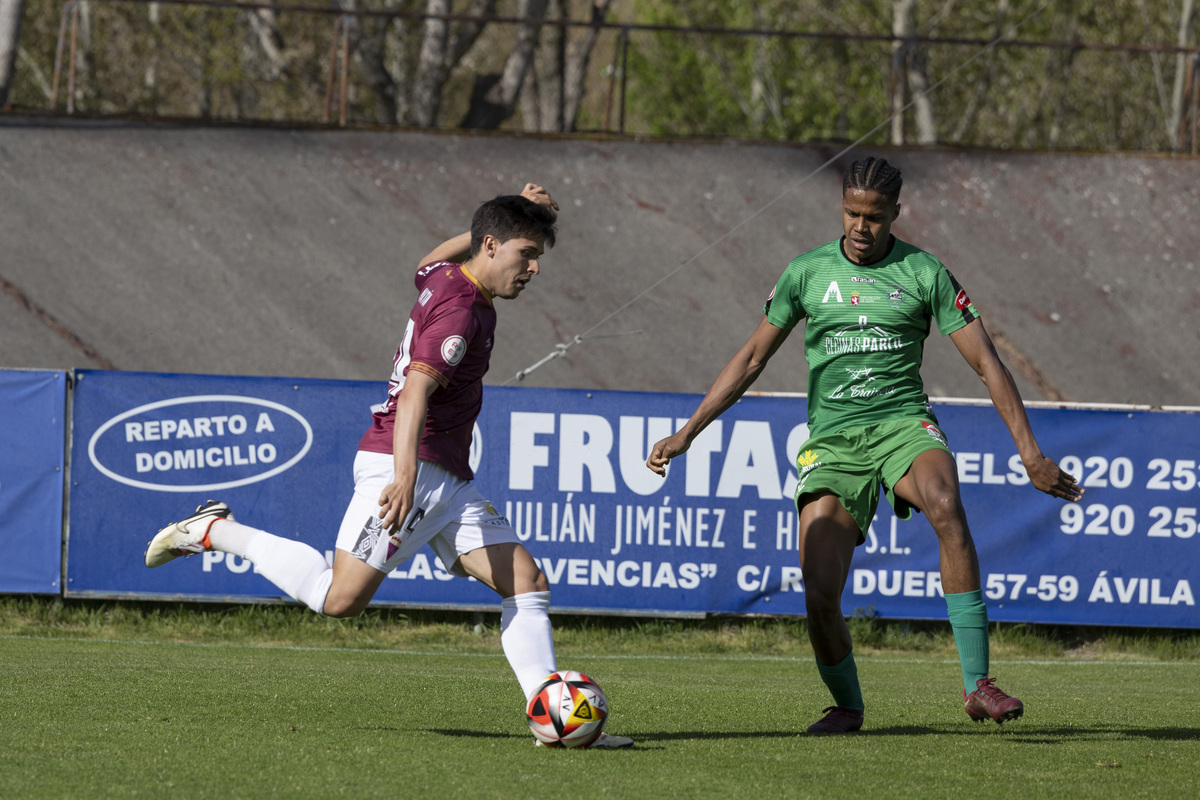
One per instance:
(561, 349)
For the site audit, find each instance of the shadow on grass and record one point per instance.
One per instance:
(476, 734)
(1040, 734)
(1019, 735)
(1059, 735)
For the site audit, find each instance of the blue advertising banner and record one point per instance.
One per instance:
(718, 535)
(148, 448)
(32, 446)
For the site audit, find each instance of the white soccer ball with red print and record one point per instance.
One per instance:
(567, 710)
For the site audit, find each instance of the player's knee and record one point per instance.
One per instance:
(343, 607)
(531, 580)
(821, 600)
(944, 510)
(527, 576)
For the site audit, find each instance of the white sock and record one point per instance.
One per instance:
(299, 570)
(527, 638)
(229, 536)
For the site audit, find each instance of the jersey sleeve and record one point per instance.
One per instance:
(952, 308)
(784, 308)
(442, 342)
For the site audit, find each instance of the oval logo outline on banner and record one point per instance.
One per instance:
(207, 398)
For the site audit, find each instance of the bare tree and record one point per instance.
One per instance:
(908, 66)
(553, 93)
(407, 65)
(265, 26)
(494, 96)
(764, 88)
(983, 84)
(416, 89)
(433, 66)
(10, 36)
(1187, 16)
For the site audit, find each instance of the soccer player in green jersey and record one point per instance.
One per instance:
(868, 299)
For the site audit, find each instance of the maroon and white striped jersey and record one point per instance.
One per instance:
(449, 337)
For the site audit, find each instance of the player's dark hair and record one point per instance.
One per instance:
(510, 216)
(873, 175)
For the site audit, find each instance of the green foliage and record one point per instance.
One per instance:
(173, 60)
(815, 89)
(755, 86)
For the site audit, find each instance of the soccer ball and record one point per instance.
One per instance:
(567, 710)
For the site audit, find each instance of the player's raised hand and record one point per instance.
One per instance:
(537, 194)
(1048, 477)
(664, 451)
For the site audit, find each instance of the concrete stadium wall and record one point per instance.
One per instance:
(259, 251)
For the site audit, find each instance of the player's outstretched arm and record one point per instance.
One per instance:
(735, 378)
(977, 348)
(458, 248)
(396, 499)
(454, 250)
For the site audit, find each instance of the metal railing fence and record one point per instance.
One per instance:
(197, 58)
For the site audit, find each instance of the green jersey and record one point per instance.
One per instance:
(867, 325)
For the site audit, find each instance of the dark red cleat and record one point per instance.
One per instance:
(988, 701)
(838, 720)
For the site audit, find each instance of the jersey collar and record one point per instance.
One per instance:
(892, 241)
(486, 294)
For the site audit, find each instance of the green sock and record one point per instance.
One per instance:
(842, 680)
(969, 620)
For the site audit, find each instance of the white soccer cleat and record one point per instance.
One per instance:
(610, 742)
(603, 742)
(186, 537)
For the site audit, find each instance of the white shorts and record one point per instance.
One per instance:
(449, 514)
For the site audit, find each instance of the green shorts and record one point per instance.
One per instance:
(853, 462)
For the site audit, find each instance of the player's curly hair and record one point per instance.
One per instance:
(509, 216)
(873, 175)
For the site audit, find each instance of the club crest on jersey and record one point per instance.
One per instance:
(453, 349)
(895, 295)
(961, 300)
(394, 542)
(935, 432)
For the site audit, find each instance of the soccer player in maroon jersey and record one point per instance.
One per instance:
(412, 477)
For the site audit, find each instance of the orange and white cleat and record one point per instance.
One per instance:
(186, 537)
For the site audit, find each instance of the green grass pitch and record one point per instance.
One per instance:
(85, 718)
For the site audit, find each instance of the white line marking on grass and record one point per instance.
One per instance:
(865, 658)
